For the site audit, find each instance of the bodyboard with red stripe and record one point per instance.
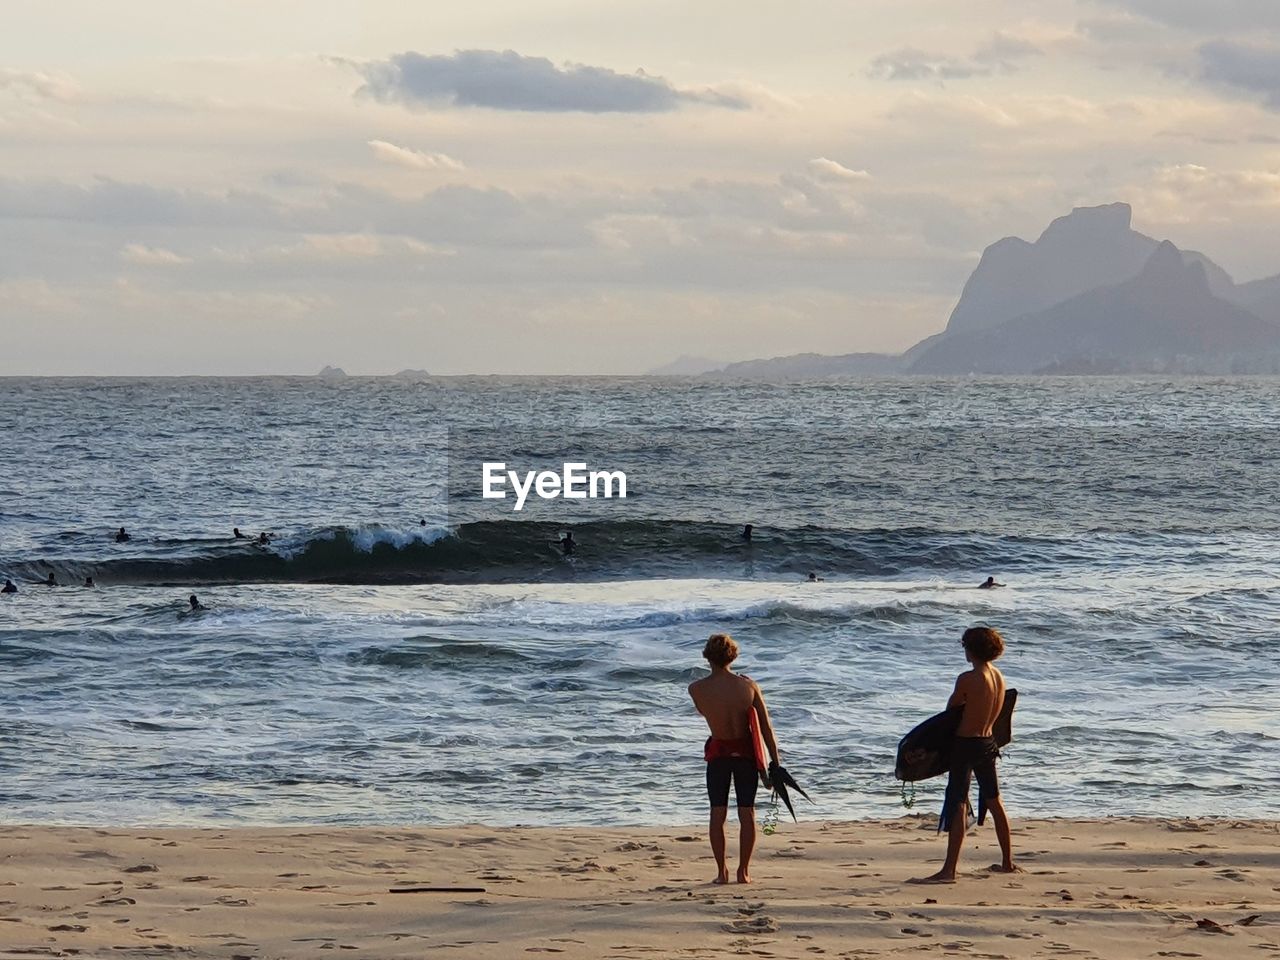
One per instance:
(757, 742)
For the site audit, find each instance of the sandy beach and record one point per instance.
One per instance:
(1115, 888)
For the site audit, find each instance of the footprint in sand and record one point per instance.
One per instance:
(631, 846)
(752, 925)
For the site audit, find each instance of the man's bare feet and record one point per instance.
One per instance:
(723, 877)
(938, 877)
(1004, 868)
(743, 876)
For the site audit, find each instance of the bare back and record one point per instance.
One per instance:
(724, 698)
(981, 692)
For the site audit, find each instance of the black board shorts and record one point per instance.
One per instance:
(742, 771)
(971, 758)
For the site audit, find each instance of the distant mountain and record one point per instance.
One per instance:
(332, 373)
(685, 366)
(1166, 319)
(411, 375)
(802, 366)
(1090, 295)
(1090, 247)
(1259, 296)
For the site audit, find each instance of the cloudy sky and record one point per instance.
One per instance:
(569, 186)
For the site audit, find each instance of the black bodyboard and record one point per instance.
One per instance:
(924, 752)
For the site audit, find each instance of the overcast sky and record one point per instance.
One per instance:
(569, 186)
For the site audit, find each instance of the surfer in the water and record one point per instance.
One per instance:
(9, 586)
(988, 583)
(195, 603)
(746, 533)
(237, 535)
(734, 710)
(567, 543)
(122, 537)
(981, 692)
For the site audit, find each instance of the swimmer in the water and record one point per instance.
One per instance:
(235, 532)
(746, 533)
(567, 543)
(264, 538)
(422, 522)
(988, 583)
(51, 581)
(9, 586)
(122, 537)
(195, 603)
(814, 578)
(88, 582)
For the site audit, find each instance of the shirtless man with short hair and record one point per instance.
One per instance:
(726, 700)
(981, 692)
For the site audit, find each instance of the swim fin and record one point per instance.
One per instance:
(781, 779)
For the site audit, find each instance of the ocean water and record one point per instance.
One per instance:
(405, 651)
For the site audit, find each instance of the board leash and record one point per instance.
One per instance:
(770, 824)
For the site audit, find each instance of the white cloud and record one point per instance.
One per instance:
(1001, 53)
(414, 159)
(332, 248)
(146, 256)
(826, 169)
(44, 86)
(241, 307)
(33, 294)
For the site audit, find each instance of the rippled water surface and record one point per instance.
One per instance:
(367, 667)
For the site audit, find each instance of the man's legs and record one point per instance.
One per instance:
(716, 833)
(746, 842)
(1001, 820)
(956, 805)
(955, 840)
(719, 776)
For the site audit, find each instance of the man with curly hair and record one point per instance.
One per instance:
(980, 691)
(734, 710)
